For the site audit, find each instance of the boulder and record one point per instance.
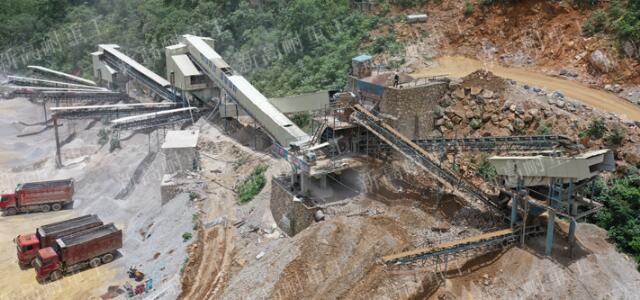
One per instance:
(459, 93)
(469, 114)
(560, 103)
(558, 95)
(601, 62)
(568, 73)
(630, 50)
(487, 94)
(475, 124)
(475, 91)
(527, 118)
(632, 155)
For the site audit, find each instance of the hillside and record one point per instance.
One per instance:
(489, 151)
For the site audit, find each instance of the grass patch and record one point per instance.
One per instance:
(485, 169)
(252, 185)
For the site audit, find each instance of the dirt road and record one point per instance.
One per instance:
(22, 284)
(459, 66)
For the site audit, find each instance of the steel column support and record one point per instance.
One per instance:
(572, 235)
(514, 211)
(55, 130)
(550, 228)
(44, 108)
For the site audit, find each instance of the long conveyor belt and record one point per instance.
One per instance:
(452, 246)
(494, 143)
(417, 154)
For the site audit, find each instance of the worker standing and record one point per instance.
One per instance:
(396, 79)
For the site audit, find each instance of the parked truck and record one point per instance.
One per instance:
(28, 245)
(38, 196)
(89, 248)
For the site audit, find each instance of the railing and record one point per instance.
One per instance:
(508, 143)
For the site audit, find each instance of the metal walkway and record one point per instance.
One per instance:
(493, 144)
(486, 239)
(418, 155)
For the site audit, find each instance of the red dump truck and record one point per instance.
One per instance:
(89, 248)
(38, 196)
(28, 245)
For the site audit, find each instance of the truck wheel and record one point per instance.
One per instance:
(56, 206)
(55, 275)
(10, 211)
(94, 262)
(107, 258)
(45, 208)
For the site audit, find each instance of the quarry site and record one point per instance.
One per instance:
(443, 178)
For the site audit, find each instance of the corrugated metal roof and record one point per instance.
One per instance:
(300, 103)
(176, 139)
(362, 58)
(185, 65)
(176, 46)
(113, 49)
(258, 99)
(202, 47)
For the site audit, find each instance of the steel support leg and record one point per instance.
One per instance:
(58, 155)
(572, 235)
(550, 226)
(514, 211)
(524, 222)
(44, 108)
(446, 265)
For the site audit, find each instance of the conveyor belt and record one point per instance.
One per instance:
(452, 246)
(417, 154)
(26, 81)
(242, 92)
(497, 143)
(115, 111)
(119, 61)
(155, 119)
(59, 75)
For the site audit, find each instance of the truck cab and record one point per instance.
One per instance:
(48, 265)
(28, 246)
(7, 200)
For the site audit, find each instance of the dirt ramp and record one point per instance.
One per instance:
(326, 261)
